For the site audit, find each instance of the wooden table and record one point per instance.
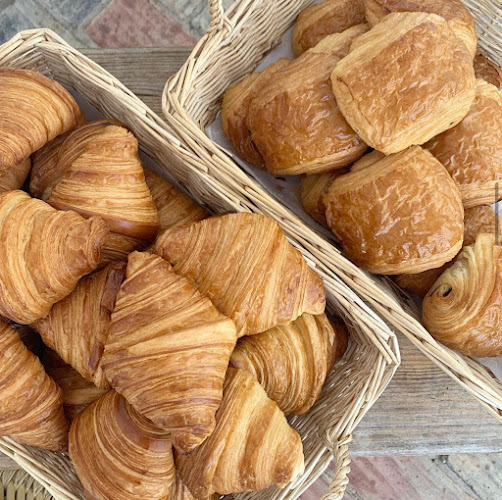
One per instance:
(422, 411)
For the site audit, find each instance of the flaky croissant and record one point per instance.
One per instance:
(33, 111)
(77, 326)
(463, 308)
(168, 349)
(487, 70)
(13, 178)
(251, 447)
(245, 265)
(292, 362)
(31, 404)
(44, 254)
(119, 454)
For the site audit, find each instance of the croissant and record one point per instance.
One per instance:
(403, 214)
(295, 122)
(393, 106)
(44, 254)
(246, 267)
(235, 108)
(453, 11)
(462, 309)
(77, 327)
(251, 447)
(13, 178)
(174, 207)
(472, 151)
(420, 283)
(33, 111)
(167, 350)
(487, 70)
(31, 404)
(179, 491)
(119, 454)
(30, 338)
(293, 361)
(331, 16)
(78, 393)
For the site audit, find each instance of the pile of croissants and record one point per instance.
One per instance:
(176, 342)
(395, 123)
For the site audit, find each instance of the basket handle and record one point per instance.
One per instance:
(342, 469)
(217, 13)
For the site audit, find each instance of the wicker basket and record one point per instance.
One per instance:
(373, 354)
(234, 44)
(17, 485)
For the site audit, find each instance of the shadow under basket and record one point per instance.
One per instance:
(373, 355)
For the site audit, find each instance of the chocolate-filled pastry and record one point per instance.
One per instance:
(235, 108)
(292, 362)
(119, 454)
(13, 177)
(325, 18)
(463, 308)
(395, 105)
(367, 160)
(33, 110)
(403, 214)
(295, 121)
(77, 326)
(472, 151)
(487, 70)
(168, 349)
(31, 404)
(453, 11)
(251, 447)
(44, 254)
(244, 264)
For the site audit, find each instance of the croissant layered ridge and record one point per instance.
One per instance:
(119, 454)
(44, 254)
(168, 349)
(244, 264)
(487, 70)
(13, 177)
(251, 447)
(31, 404)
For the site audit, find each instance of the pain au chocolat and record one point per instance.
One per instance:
(402, 214)
(393, 106)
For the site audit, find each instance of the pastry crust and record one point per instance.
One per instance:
(420, 283)
(179, 491)
(295, 122)
(367, 160)
(403, 214)
(463, 308)
(472, 151)
(323, 19)
(487, 70)
(13, 178)
(406, 80)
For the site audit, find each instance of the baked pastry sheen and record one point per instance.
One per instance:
(487, 70)
(12, 178)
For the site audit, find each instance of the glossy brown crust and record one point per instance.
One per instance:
(31, 404)
(117, 247)
(251, 447)
(235, 107)
(296, 123)
(244, 264)
(12, 178)
(420, 283)
(44, 254)
(33, 111)
(463, 308)
(119, 454)
(168, 349)
(367, 160)
(292, 362)
(472, 151)
(405, 81)
(487, 70)
(325, 18)
(77, 327)
(403, 214)
(458, 16)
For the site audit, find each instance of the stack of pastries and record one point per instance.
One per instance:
(394, 121)
(176, 343)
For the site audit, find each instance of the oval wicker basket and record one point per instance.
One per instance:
(235, 43)
(373, 355)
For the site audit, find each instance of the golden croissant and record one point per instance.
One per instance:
(33, 110)
(293, 361)
(462, 309)
(179, 490)
(13, 178)
(168, 349)
(487, 70)
(119, 454)
(296, 123)
(44, 254)
(77, 327)
(31, 404)
(246, 267)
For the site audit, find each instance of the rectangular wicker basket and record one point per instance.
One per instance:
(235, 43)
(373, 355)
